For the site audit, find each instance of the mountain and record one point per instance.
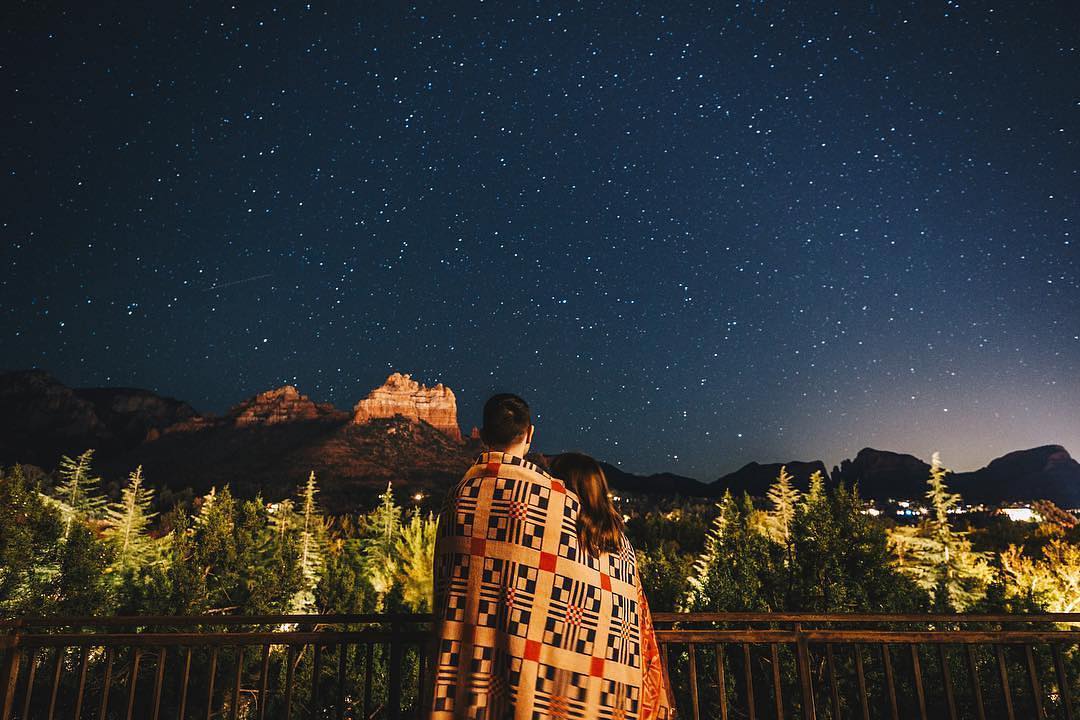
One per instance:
(265, 444)
(881, 474)
(755, 478)
(401, 395)
(1046, 473)
(42, 419)
(401, 432)
(1041, 473)
(351, 462)
(656, 484)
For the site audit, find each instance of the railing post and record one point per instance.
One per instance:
(9, 670)
(394, 674)
(803, 654)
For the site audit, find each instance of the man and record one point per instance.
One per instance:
(527, 625)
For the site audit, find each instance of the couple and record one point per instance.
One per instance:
(539, 610)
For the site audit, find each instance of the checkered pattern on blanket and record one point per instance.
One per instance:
(530, 627)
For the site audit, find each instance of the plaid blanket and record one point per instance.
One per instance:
(528, 626)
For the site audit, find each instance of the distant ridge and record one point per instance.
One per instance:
(656, 484)
(268, 443)
(755, 478)
(1041, 473)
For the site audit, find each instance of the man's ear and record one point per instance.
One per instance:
(529, 434)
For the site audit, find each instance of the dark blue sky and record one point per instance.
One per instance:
(691, 236)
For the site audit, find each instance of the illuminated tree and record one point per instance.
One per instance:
(77, 491)
(784, 498)
(415, 549)
(940, 559)
(312, 538)
(736, 568)
(1052, 581)
(817, 487)
(379, 541)
(127, 524)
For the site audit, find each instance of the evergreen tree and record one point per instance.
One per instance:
(267, 571)
(784, 498)
(415, 548)
(344, 586)
(734, 572)
(1052, 582)
(229, 550)
(843, 560)
(78, 490)
(817, 487)
(82, 589)
(664, 570)
(30, 532)
(127, 525)
(312, 537)
(379, 540)
(940, 559)
(183, 585)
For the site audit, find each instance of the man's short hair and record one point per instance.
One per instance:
(506, 418)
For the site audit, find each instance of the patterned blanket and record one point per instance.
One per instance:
(528, 626)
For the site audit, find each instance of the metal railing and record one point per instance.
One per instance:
(803, 665)
(719, 665)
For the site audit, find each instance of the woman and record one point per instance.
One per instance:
(602, 544)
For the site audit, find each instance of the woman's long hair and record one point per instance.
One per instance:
(599, 525)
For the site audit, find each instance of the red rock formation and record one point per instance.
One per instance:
(401, 395)
(285, 404)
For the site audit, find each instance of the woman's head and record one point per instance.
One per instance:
(600, 526)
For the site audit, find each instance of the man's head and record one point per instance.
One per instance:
(507, 423)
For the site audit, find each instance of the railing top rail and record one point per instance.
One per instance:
(660, 618)
(189, 620)
(787, 617)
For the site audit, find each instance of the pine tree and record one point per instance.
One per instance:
(77, 491)
(312, 537)
(415, 547)
(381, 528)
(30, 532)
(734, 572)
(785, 501)
(940, 559)
(784, 498)
(83, 563)
(817, 487)
(206, 507)
(842, 558)
(127, 524)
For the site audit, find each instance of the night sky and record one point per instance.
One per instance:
(691, 236)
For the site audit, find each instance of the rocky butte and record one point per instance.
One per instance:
(284, 404)
(401, 395)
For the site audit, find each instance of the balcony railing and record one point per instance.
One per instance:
(719, 665)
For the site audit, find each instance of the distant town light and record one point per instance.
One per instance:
(871, 511)
(418, 497)
(1020, 514)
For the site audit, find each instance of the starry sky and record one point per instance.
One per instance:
(690, 235)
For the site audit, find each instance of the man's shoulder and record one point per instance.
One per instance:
(498, 464)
